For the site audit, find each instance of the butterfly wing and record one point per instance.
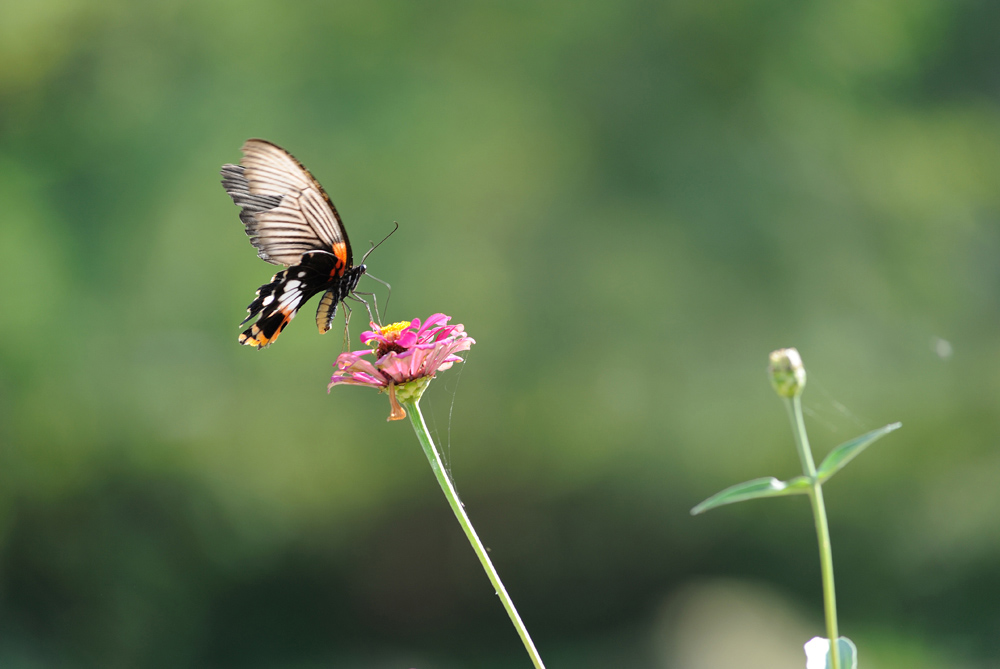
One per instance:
(278, 302)
(290, 221)
(285, 211)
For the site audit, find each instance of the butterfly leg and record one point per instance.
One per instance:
(347, 328)
(374, 318)
(385, 305)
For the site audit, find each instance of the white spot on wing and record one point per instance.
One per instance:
(290, 298)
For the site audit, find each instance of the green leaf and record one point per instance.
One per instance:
(847, 451)
(818, 653)
(764, 487)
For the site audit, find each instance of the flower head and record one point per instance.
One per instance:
(407, 355)
(788, 376)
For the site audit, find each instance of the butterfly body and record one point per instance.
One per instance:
(290, 221)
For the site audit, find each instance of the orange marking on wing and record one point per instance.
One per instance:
(339, 250)
(254, 339)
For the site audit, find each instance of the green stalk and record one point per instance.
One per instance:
(794, 406)
(420, 427)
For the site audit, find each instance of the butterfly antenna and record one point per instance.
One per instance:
(375, 246)
(385, 305)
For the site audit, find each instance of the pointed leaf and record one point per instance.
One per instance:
(840, 456)
(764, 487)
(818, 653)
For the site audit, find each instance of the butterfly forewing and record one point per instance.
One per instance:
(305, 214)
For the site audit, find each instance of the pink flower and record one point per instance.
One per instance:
(407, 356)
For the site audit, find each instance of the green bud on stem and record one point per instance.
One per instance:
(788, 376)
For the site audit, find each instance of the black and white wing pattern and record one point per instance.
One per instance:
(285, 210)
(290, 221)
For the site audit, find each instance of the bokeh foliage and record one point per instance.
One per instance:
(629, 204)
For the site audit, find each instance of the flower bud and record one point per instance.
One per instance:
(788, 376)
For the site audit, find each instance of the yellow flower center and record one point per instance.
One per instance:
(392, 330)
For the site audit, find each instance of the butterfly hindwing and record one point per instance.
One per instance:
(278, 301)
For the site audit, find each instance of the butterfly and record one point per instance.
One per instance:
(292, 222)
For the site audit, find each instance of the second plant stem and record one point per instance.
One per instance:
(420, 427)
(794, 406)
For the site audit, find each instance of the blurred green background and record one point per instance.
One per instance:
(628, 205)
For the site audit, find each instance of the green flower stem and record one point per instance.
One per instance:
(420, 427)
(794, 406)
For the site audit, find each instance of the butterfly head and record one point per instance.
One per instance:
(354, 275)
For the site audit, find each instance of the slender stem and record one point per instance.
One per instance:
(420, 427)
(794, 406)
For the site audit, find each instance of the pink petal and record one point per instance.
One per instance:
(364, 367)
(358, 379)
(418, 362)
(395, 367)
(437, 318)
(406, 339)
